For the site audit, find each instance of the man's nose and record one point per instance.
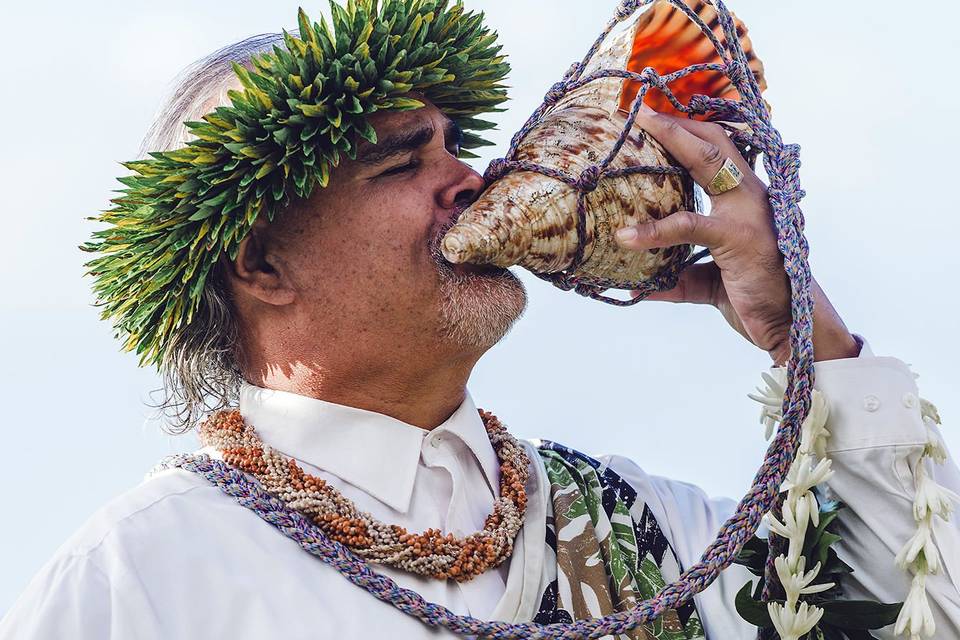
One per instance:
(463, 188)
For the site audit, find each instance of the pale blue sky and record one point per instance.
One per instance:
(867, 89)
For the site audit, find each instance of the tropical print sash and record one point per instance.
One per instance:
(610, 552)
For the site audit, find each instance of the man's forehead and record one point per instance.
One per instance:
(386, 122)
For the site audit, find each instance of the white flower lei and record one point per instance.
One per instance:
(919, 555)
(793, 618)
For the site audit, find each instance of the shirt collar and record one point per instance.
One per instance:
(370, 450)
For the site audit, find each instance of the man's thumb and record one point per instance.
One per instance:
(682, 227)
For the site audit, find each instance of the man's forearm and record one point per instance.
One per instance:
(831, 338)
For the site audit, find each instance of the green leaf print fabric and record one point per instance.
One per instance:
(610, 552)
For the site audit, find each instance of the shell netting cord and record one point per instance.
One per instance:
(781, 163)
(587, 181)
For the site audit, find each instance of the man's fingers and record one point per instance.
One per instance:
(697, 284)
(682, 227)
(701, 147)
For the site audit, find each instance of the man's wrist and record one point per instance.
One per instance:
(836, 348)
(831, 338)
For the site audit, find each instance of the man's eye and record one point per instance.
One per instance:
(403, 168)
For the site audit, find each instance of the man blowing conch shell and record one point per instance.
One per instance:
(283, 262)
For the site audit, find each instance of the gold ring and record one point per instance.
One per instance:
(728, 177)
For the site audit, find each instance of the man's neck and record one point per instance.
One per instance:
(423, 394)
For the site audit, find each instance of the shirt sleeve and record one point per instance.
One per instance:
(877, 439)
(68, 598)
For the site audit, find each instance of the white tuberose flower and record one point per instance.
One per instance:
(771, 399)
(928, 410)
(931, 498)
(922, 540)
(794, 523)
(796, 583)
(935, 448)
(915, 617)
(803, 475)
(792, 624)
(813, 431)
(796, 517)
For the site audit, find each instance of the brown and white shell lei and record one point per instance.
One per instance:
(430, 553)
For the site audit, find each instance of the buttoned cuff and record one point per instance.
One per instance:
(873, 402)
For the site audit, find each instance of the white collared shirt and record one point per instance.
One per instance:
(175, 558)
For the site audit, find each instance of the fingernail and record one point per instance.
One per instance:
(627, 234)
(645, 109)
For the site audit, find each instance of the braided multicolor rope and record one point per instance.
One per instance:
(781, 162)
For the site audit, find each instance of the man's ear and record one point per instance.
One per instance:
(259, 272)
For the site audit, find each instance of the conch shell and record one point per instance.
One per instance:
(529, 219)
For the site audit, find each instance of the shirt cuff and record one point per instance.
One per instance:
(873, 402)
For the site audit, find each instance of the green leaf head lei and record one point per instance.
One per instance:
(301, 109)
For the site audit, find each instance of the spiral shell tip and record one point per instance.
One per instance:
(454, 248)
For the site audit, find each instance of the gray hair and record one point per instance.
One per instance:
(200, 368)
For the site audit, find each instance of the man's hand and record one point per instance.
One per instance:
(746, 280)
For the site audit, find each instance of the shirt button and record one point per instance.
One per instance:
(909, 400)
(871, 403)
(435, 441)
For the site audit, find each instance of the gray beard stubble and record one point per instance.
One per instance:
(477, 309)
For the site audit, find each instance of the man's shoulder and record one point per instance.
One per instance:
(152, 507)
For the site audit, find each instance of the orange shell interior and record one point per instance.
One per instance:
(667, 40)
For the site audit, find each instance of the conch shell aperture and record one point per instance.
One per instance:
(530, 219)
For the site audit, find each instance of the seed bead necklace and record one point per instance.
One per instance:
(430, 553)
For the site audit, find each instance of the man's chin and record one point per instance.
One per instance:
(479, 303)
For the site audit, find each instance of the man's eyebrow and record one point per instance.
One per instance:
(397, 144)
